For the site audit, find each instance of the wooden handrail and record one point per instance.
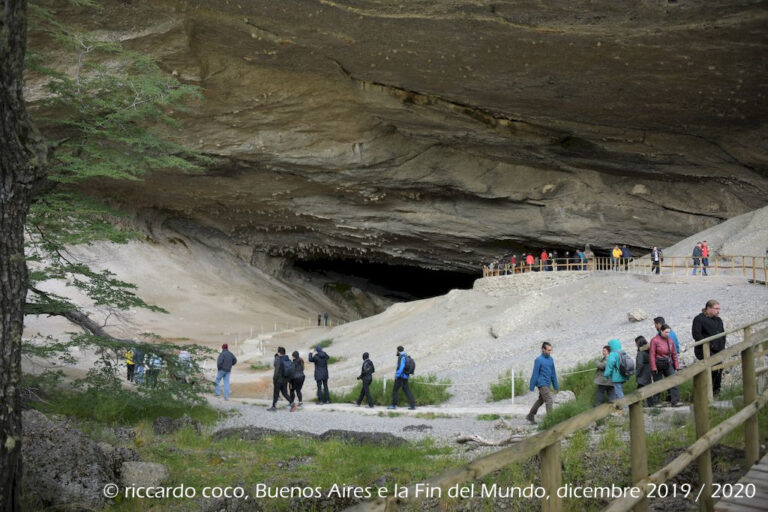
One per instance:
(547, 442)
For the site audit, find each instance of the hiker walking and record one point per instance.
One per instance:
(280, 378)
(664, 362)
(224, 365)
(705, 324)
(658, 322)
(403, 370)
(529, 261)
(657, 257)
(626, 255)
(154, 365)
(612, 368)
(643, 366)
(138, 371)
(325, 317)
(543, 377)
(604, 386)
(319, 319)
(297, 381)
(129, 364)
(366, 376)
(615, 257)
(321, 374)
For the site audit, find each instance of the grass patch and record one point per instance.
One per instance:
(322, 344)
(502, 388)
(389, 414)
(488, 417)
(198, 461)
(261, 367)
(432, 415)
(427, 390)
(334, 359)
(121, 407)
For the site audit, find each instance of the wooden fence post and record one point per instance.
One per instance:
(638, 453)
(754, 270)
(751, 432)
(551, 477)
(717, 266)
(701, 389)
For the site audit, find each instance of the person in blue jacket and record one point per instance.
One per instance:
(401, 381)
(543, 377)
(612, 372)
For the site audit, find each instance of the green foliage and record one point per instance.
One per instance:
(502, 388)
(427, 390)
(261, 367)
(488, 417)
(565, 411)
(334, 359)
(322, 344)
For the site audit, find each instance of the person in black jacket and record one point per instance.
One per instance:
(224, 365)
(643, 367)
(297, 382)
(279, 379)
(321, 374)
(366, 376)
(706, 324)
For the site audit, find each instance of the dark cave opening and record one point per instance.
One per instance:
(401, 282)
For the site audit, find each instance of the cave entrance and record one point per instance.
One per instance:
(400, 282)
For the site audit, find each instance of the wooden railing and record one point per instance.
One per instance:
(750, 267)
(546, 444)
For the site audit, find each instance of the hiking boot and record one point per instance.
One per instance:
(294, 407)
(678, 404)
(412, 408)
(301, 404)
(272, 409)
(530, 419)
(391, 407)
(370, 406)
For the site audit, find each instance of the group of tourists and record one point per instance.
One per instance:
(289, 375)
(546, 261)
(654, 361)
(140, 365)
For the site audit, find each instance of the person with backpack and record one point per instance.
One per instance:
(617, 361)
(643, 366)
(282, 375)
(129, 364)
(696, 257)
(138, 371)
(706, 324)
(664, 362)
(154, 365)
(297, 381)
(543, 377)
(604, 386)
(321, 374)
(404, 369)
(366, 376)
(224, 365)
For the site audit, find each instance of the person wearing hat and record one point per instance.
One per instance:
(224, 366)
(366, 376)
(320, 358)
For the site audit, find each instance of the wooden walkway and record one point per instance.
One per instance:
(757, 477)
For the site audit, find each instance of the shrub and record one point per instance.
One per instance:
(323, 343)
(501, 389)
(427, 390)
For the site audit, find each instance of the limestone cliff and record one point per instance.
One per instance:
(446, 132)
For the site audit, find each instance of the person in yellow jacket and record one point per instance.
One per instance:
(615, 257)
(129, 363)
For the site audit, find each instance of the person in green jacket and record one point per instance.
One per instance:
(612, 372)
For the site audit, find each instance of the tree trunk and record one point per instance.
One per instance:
(22, 161)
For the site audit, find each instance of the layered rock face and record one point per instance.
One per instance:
(444, 133)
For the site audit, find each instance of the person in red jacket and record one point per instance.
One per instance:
(664, 362)
(704, 257)
(529, 261)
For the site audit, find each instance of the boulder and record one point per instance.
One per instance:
(143, 474)
(563, 396)
(165, 425)
(62, 466)
(637, 315)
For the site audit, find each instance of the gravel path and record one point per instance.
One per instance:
(318, 419)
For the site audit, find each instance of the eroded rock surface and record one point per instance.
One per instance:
(444, 133)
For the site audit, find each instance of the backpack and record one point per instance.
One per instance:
(410, 365)
(626, 365)
(287, 367)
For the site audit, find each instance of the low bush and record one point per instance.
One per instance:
(502, 388)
